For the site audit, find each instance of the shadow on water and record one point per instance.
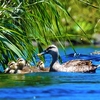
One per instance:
(53, 85)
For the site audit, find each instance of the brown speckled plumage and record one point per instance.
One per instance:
(84, 66)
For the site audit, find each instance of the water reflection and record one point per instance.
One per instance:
(53, 85)
(45, 78)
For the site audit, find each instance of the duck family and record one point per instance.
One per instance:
(83, 66)
(21, 66)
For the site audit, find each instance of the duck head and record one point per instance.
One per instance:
(52, 50)
(40, 65)
(21, 63)
(12, 67)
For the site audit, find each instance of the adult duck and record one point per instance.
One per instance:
(83, 66)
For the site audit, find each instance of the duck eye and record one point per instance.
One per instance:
(41, 63)
(11, 64)
(21, 60)
(50, 48)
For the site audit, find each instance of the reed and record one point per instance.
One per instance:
(23, 22)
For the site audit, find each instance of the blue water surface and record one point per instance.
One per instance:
(54, 85)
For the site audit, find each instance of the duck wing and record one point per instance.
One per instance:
(79, 66)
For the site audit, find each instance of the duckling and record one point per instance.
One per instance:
(41, 67)
(78, 65)
(23, 65)
(12, 67)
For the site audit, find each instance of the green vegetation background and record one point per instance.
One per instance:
(28, 25)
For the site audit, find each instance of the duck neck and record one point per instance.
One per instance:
(54, 60)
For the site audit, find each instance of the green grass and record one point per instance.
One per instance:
(43, 21)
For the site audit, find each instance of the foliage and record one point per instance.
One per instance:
(43, 21)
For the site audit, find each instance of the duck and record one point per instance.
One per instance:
(12, 67)
(22, 63)
(77, 65)
(41, 67)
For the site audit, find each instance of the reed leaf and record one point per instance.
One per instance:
(27, 26)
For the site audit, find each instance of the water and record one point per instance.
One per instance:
(54, 85)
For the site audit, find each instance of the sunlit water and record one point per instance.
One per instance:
(54, 85)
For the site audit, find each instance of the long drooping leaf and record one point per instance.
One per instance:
(11, 46)
(24, 24)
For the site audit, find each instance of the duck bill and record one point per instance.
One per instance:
(42, 53)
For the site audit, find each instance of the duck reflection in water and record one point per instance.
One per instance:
(83, 66)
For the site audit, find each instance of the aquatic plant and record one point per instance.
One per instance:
(26, 22)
